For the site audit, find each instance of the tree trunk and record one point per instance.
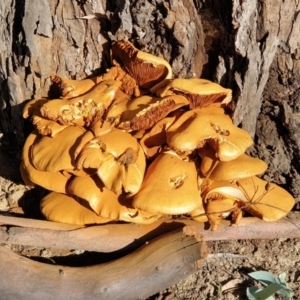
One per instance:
(250, 46)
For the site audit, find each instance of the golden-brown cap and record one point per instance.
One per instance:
(199, 92)
(57, 153)
(53, 181)
(241, 167)
(208, 125)
(62, 208)
(106, 203)
(170, 186)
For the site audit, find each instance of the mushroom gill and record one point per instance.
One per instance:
(145, 68)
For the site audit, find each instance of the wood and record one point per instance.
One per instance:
(114, 237)
(153, 267)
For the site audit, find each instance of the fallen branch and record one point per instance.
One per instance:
(142, 273)
(112, 237)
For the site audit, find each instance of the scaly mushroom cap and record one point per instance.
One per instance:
(241, 167)
(106, 203)
(53, 181)
(144, 112)
(145, 68)
(209, 125)
(199, 92)
(83, 109)
(62, 208)
(57, 153)
(170, 186)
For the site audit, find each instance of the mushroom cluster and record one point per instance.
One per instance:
(136, 145)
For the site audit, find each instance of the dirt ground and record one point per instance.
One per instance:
(223, 275)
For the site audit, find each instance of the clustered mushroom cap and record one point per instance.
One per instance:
(200, 92)
(144, 112)
(53, 181)
(170, 186)
(91, 192)
(63, 208)
(83, 109)
(241, 167)
(217, 130)
(265, 200)
(70, 88)
(53, 154)
(134, 144)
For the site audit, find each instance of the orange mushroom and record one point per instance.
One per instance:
(145, 68)
(119, 159)
(209, 125)
(199, 92)
(105, 203)
(62, 208)
(170, 186)
(53, 181)
(83, 109)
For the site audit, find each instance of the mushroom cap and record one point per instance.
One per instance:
(144, 112)
(120, 161)
(145, 68)
(70, 88)
(101, 200)
(83, 109)
(62, 208)
(241, 167)
(106, 203)
(209, 125)
(153, 141)
(47, 127)
(53, 154)
(33, 106)
(267, 201)
(53, 181)
(199, 92)
(260, 198)
(170, 186)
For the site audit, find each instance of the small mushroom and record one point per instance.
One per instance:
(199, 92)
(209, 125)
(145, 68)
(170, 186)
(62, 208)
